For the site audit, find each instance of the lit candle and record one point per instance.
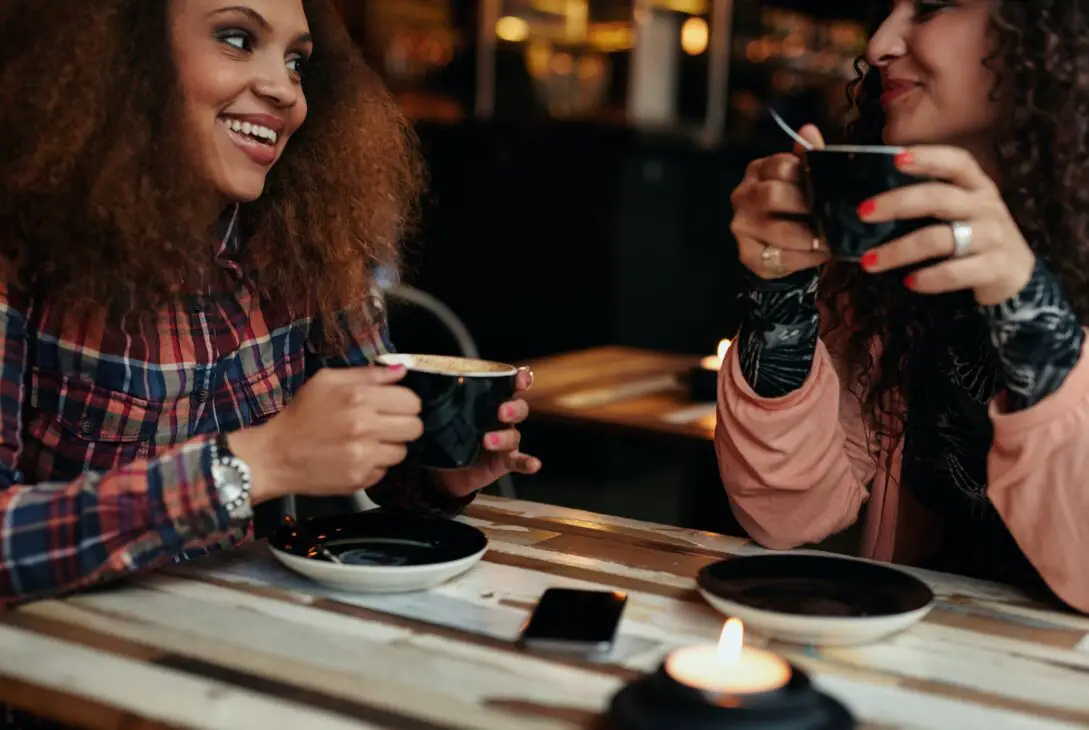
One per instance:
(730, 667)
(714, 362)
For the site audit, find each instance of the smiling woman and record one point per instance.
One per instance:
(117, 119)
(243, 123)
(195, 193)
(944, 381)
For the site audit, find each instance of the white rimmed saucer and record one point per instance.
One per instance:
(381, 552)
(806, 598)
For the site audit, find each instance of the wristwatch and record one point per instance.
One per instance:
(231, 477)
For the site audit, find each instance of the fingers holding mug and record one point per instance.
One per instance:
(783, 167)
(773, 247)
(785, 233)
(775, 198)
(773, 262)
(811, 134)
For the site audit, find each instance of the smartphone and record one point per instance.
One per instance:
(576, 621)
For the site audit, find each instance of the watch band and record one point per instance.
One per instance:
(223, 445)
(232, 480)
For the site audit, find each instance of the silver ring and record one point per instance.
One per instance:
(772, 259)
(962, 238)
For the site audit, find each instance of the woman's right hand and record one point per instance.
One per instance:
(769, 243)
(343, 430)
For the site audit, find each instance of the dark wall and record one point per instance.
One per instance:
(553, 238)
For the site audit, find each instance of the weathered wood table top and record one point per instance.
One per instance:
(236, 642)
(622, 389)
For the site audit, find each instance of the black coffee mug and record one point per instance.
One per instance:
(838, 179)
(461, 399)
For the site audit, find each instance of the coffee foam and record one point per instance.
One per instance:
(449, 365)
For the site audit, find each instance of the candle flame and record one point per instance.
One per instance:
(731, 641)
(723, 346)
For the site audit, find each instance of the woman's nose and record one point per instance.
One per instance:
(889, 41)
(278, 87)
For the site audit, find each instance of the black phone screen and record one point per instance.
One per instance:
(566, 618)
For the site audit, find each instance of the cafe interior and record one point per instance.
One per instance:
(581, 157)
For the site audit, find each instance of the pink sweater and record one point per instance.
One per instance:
(796, 471)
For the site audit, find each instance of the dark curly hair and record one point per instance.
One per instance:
(100, 198)
(1038, 59)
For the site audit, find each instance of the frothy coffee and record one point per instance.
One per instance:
(448, 365)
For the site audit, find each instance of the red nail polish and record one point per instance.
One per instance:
(903, 159)
(868, 259)
(865, 208)
(493, 440)
(909, 281)
(396, 368)
(508, 412)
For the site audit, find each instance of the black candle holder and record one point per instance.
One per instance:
(702, 384)
(660, 702)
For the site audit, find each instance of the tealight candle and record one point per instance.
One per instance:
(730, 668)
(714, 362)
(726, 685)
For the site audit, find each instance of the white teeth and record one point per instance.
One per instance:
(253, 130)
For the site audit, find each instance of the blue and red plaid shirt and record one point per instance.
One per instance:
(106, 440)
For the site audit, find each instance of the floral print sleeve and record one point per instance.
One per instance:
(1037, 337)
(779, 332)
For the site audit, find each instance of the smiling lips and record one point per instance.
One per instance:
(257, 135)
(894, 89)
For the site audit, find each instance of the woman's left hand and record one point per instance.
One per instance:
(501, 455)
(997, 262)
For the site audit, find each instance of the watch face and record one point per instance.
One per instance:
(228, 482)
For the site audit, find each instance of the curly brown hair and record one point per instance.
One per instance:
(1037, 60)
(101, 200)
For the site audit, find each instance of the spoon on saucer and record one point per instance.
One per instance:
(302, 531)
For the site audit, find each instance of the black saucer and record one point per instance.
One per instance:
(815, 585)
(381, 539)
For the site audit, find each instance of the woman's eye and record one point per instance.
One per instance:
(235, 38)
(926, 9)
(297, 66)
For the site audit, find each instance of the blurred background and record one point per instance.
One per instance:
(582, 154)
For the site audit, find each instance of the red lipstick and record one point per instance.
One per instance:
(893, 89)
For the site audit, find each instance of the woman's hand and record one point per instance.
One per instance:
(770, 244)
(344, 429)
(501, 455)
(995, 264)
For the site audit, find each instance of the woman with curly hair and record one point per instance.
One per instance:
(193, 196)
(942, 381)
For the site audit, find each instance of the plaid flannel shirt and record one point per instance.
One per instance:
(106, 432)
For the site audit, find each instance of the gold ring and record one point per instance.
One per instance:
(772, 259)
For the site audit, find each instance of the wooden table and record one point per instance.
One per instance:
(236, 642)
(620, 388)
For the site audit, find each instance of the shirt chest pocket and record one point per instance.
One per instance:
(269, 390)
(120, 426)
